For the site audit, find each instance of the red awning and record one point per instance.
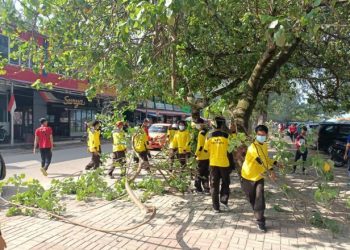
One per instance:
(49, 97)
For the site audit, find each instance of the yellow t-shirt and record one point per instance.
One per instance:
(140, 141)
(200, 153)
(119, 141)
(94, 142)
(217, 145)
(182, 141)
(251, 169)
(171, 134)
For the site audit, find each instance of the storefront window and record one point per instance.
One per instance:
(78, 118)
(3, 108)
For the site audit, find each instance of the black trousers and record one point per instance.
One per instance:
(254, 191)
(292, 136)
(202, 179)
(46, 156)
(118, 160)
(219, 194)
(299, 155)
(182, 159)
(95, 160)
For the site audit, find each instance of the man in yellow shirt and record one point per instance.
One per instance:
(94, 145)
(217, 145)
(139, 143)
(202, 179)
(119, 149)
(170, 138)
(181, 143)
(255, 166)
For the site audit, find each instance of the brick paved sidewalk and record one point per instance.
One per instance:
(182, 222)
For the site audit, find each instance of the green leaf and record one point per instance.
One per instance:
(280, 37)
(317, 3)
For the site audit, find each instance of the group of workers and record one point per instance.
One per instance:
(215, 162)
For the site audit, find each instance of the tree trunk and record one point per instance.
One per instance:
(265, 69)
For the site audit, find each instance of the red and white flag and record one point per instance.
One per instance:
(12, 104)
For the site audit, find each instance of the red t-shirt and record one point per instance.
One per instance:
(293, 129)
(44, 133)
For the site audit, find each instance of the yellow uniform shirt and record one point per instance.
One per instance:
(171, 134)
(182, 141)
(140, 141)
(119, 141)
(251, 169)
(200, 153)
(217, 145)
(94, 142)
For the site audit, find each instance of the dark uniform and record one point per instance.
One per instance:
(202, 179)
(217, 145)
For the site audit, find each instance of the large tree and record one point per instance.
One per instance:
(185, 49)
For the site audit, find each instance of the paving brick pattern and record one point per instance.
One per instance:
(182, 222)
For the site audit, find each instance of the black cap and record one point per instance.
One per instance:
(42, 120)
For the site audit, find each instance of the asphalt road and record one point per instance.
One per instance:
(65, 162)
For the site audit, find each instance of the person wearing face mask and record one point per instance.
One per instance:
(181, 143)
(256, 164)
(301, 146)
(119, 149)
(216, 146)
(202, 179)
(94, 145)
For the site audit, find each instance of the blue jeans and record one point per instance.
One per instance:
(349, 167)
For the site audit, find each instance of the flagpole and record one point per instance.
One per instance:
(12, 125)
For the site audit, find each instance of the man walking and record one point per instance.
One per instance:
(139, 144)
(217, 147)
(181, 142)
(301, 145)
(94, 145)
(119, 149)
(44, 140)
(256, 164)
(293, 130)
(202, 178)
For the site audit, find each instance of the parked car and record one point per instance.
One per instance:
(337, 151)
(330, 132)
(158, 133)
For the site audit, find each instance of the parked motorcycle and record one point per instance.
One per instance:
(2, 168)
(4, 135)
(337, 151)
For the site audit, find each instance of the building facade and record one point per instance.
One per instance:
(65, 105)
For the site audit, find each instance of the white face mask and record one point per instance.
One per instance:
(261, 138)
(181, 127)
(198, 126)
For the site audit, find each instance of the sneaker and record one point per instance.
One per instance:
(224, 207)
(262, 228)
(198, 191)
(43, 171)
(111, 176)
(207, 192)
(216, 211)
